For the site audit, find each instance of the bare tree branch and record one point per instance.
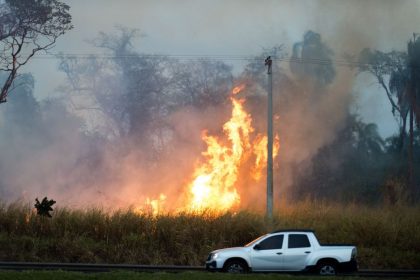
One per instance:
(28, 26)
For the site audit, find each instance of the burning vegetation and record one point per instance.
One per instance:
(215, 183)
(239, 152)
(164, 135)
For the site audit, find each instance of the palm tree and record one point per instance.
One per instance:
(402, 89)
(413, 96)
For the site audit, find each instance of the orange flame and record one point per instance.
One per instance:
(238, 89)
(260, 151)
(152, 206)
(213, 185)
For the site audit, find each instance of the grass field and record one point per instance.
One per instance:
(62, 275)
(386, 237)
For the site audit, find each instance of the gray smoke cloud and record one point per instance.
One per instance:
(69, 168)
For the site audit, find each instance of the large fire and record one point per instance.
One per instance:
(214, 181)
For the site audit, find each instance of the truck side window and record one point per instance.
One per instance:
(273, 242)
(298, 241)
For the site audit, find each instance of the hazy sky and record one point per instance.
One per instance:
(243, 27)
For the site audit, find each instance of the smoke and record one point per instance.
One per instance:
(308, 125)
(54, 155)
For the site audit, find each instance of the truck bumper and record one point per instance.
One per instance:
(347, 267)
(212, 266)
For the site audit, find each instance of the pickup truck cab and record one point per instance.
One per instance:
(286, 251)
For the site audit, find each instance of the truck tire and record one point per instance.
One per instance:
(327, 268)
(235, 266)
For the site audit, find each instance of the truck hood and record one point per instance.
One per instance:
(231, 250)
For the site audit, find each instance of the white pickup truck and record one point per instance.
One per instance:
(285, 250)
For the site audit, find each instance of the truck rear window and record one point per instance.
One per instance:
(298, 241)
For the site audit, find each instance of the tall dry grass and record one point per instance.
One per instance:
(386, 237)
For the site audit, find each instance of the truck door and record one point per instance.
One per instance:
(296, 253)
(267, 254)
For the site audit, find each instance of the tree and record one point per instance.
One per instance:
(133, 93)
(125, 95)
(413, 93)
(414, 65)
(21, 121)
(26, 28)
(398, 74)
(23, 112)
(311, 59)
(94, 86)
(352, 167)
(391, 72)
(202, 82)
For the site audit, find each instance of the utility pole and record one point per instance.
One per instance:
(269, 213)
(412, 101)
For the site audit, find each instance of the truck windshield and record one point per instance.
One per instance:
(255, 241)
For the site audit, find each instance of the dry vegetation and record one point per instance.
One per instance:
(386, 237)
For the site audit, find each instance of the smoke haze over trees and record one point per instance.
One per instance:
(128, 125)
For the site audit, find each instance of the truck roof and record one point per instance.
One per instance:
(294, 230)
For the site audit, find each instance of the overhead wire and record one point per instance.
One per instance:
(221, 57)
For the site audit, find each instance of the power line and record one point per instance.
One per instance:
(342, 62)
(195, 57)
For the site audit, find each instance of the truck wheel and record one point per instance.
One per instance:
(327, 269)
(235, 266)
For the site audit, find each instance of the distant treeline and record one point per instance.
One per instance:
(126, 102)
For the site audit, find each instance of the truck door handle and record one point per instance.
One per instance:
(307, 252)
(279, 253)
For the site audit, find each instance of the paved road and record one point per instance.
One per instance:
(86, 267)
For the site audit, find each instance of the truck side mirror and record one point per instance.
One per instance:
(257, 247)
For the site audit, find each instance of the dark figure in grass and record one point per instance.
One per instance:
(43, 208)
